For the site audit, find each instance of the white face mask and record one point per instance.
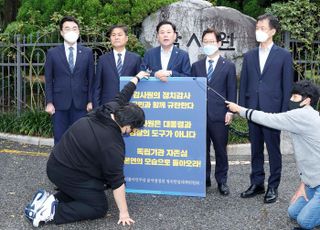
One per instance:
(210, 49)
(71, 37)
(261, 36)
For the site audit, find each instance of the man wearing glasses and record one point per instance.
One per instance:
(221, 75)
(69, 72)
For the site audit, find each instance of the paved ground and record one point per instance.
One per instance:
(23, 172)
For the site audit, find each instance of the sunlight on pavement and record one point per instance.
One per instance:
(25, 153)
(42, 154)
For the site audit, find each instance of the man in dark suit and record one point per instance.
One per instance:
(221, 75)
(265, 84)
(116, 63)
(166, 60)
(69, 72)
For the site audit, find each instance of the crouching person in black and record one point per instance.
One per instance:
(90, 155)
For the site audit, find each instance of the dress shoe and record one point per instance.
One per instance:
(252, 191)
(223, 189)
(271, 195)
(208, 183)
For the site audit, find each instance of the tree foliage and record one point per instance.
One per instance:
(302, 19)
(253, 8)
(94, 15)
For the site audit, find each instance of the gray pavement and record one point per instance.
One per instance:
(23, 172)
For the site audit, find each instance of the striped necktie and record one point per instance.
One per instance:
(70, 59)
(119, 64)
(210, 70)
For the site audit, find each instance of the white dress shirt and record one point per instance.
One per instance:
(214, 64)
(67, 51)
(115, 54)
(263, 55)
(165, 58)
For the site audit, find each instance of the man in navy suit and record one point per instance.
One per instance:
(166, 60)
(265, 84)
(221, 75)
(116, 63)
(69, 72)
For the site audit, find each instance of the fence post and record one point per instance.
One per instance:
(287, 40)
(19, 85)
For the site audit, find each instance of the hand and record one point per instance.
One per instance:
(228, 118)
(125, 219)
(163, 75)
(300, 192)
(50, 109)
(143, 74)
(89, 106)
(233, 107)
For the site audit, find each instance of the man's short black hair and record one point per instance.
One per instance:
(209, 31)
(166, 23)
(306, 88)
(273, 21)
(123, 27)
(67, 19)
(130, 114)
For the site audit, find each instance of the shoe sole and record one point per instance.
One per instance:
(270, 201)
(253, 195)
(29, 210)
(36, 221)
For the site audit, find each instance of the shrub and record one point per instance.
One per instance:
(31, 123)
(239, 131)
(38, 123)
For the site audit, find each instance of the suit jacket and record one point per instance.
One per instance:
(179, 62)
(223, 80)
(64, 86)
(107, 81)
(269, 91)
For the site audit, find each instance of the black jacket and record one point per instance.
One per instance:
(93, 146)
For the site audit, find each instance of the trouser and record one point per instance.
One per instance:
(63, 119)
(217, 132)
(79, 198)
(307, 213)
(258, 135)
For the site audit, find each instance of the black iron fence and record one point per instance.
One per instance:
(22, 66)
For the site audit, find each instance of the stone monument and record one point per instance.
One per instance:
(192, 17)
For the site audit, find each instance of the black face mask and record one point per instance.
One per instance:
(295, 104)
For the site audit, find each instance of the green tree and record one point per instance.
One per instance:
(8, 12)
(302, 19)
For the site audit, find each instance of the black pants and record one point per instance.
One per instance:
(217, 132)
(80, 197)
(258, 135)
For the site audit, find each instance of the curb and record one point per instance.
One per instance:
(237, 149)
(28, 139)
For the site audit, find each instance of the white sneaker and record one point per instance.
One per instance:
(37, 201)
(46, 212)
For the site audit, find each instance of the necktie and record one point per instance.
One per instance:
(70, 59)
(210, 70)
(119, 64)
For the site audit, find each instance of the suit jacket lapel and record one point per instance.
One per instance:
(203, 68)
(63, 56)
(256, 61)
(173, 57)
(218, 68)
(125, 63)
(111, 61)
(270, 58)
(78, 58)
